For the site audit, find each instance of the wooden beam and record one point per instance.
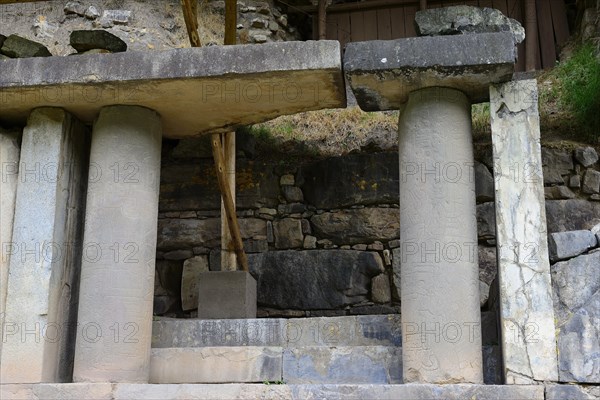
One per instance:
(423, 5)
(190, 15)
(322, 15)
(228, 200)
(230, 21)
(531, 35)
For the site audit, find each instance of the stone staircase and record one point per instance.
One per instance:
(327, 350)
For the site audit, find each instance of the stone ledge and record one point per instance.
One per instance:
(124, 391)
(193, 93)
(383, 73)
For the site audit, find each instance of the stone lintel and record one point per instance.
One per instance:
(383, 72)
(195, 90)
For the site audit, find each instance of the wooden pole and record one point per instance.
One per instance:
(531, 35)
(190, 15)
(322, 16)
(230, 21)
(227, 198)
(423, 5)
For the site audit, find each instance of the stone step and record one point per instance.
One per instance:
(297, 365)
(126, 391)
(361, 330)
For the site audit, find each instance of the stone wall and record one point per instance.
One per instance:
(322, 236)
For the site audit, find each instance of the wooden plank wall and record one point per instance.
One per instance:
(397, 21)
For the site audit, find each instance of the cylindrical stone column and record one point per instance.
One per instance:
(117, 277)
(441, 337)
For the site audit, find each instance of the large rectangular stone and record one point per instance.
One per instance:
(9, 170)
(382, 73)
(41, 308)
(216, 365)
(226, 294)
(526, 309)
(228, 86)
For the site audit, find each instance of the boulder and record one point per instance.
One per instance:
(555, 163)
(85, 40)
(586, 156)
(314, 280)
(464, 20)
(18, 47)
(591, 182)
(484, 183)
(354, 179)
(358, 225)
(571, 215)
(564, 245)
(576, 295)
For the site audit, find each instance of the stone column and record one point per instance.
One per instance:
(9, 170)
(526, 308)
(441, 334)
(117, 277)
(45, 256)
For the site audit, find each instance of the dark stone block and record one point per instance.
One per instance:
(96, 39)
(17, 47)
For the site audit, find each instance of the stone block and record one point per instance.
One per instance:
(97, 39)
(591, 181)
(486, 221)
(380, 289)
(382, 73)
(571, 392)
(250, 84)
(42, 291)
(563, 245)
(353, 226)
(365, 364)
(559, 192)
(586, 156)
(288, 233)
(484, 183)
(492, 365)
(293, 194)
(216, 365)
(226, 294)
(18, 47)
(527, 326)
(193, 268)
(572, 215)
(58, 391)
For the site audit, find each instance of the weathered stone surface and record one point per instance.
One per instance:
(466, 19)
(178, 233)
(556, 163)
(9, 174)
(492, 365)
(74, 7)
(527, 325)
(226, 294)
(563, 245)
(439, 274)
(571, 392)
(250, 84)
(192, 185)
(591, 182)
(349, 180)
(17, 47)
(96, 39)
(572, 215)
(383, 73)
(117, 17)
(57, 391)
(380, 289)
(484, 183)
(358, 225)
(366, 364)
(192, 268)
(42, 292)
(576, 284)
(292, 194)
(558, 193)
(486, 221)
(121, 214)
(314, 280)
(396, 275)
(586, 156)
(288, 233)
(488, 267)
(216, 365)
(167, 285)
(91, 12)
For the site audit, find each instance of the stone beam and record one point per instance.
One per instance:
(526, 308)
(195, 90)
(383, 73)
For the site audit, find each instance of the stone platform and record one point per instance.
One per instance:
(194, 90)
(268, 390)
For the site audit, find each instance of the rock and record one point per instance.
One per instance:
(163, 304)
(576, 290)
(178, 254)
(396, 266)
(287, 179)
(380, 289)
(484, 183)
(492, 365)
(484, 293)
(91, 12)
(2, 39)
(310, 242)
(74, 7)
(586, 156)
(288, 233)
(571, 215)
(376, 246)
(313, 280)
(555, 163)
(256, 246)
(258, 37)
(570, 392)
(17, 47)
(558, 193)
(591, 182)
(3, 57)
(283, 20)
(292, 194)
(358, 225)
(465, 19)
(575, 181)
(354, 179)
(258, 23)
(292, 208)
(488, 268)
(117, 17)
(564, 245)
(43, 28)
(192, 268)
(595, 197)
(486, 221)
(596, 231)
(96, 39)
